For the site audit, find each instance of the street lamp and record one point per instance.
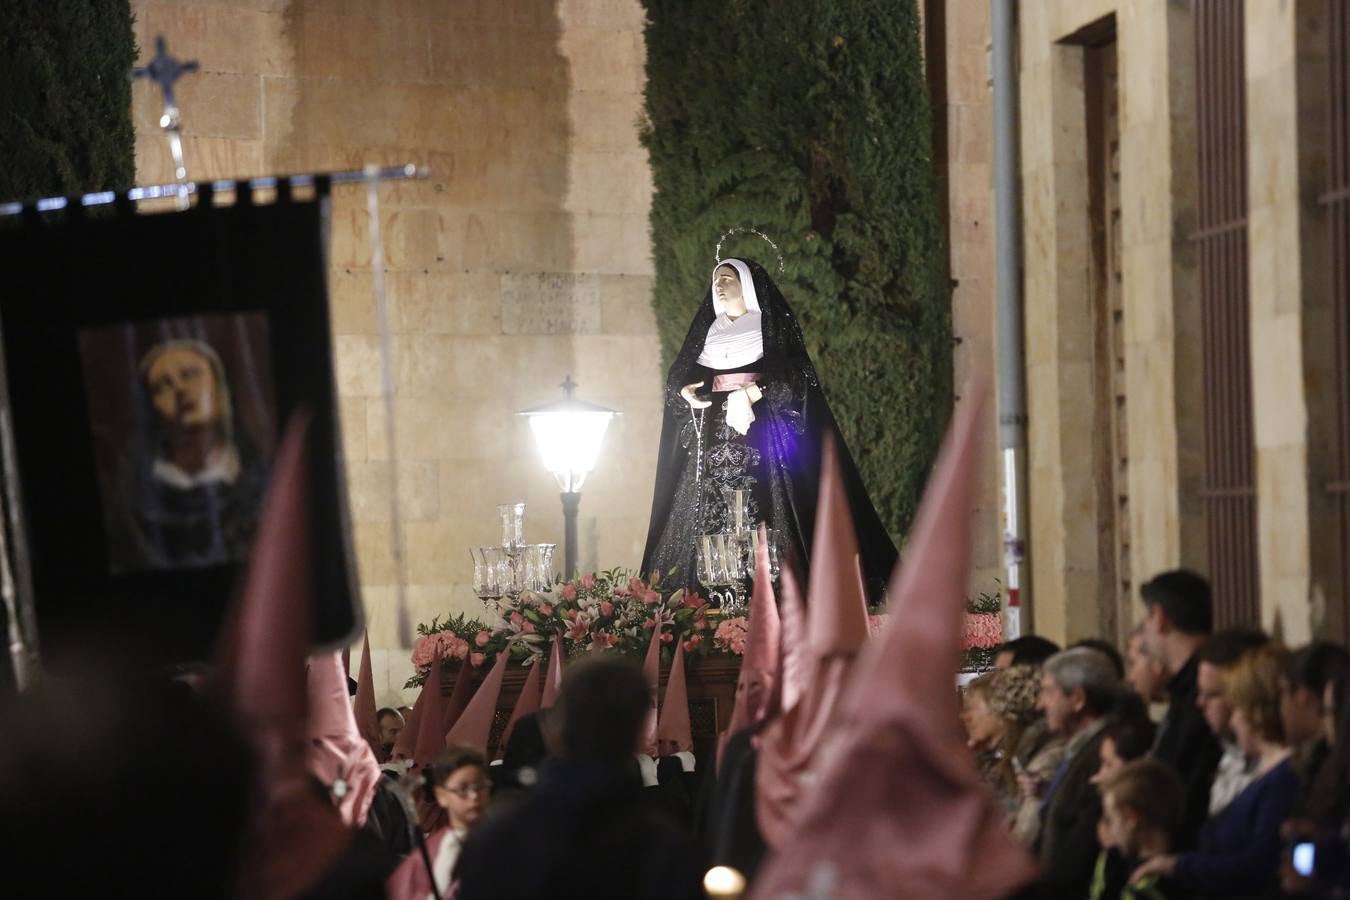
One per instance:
(568, 433)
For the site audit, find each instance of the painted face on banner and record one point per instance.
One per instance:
(183, 388)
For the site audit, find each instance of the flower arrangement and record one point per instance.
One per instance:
(615, 609)
(983, 631)
(731, 634)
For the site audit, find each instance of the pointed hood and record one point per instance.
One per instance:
(295, 836)
(673, 734)
(367, 715)
(898, 773)
(430, 739)
(794, 673)
(474, 727)
(338, 754)
(836, 612)
(412, 725)
(651, 669)
(837, 607)
(526, 703)
(467, 680)
(756, 686)
(553, 679)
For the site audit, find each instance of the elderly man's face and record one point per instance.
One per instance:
(1061, 707)
(183, 388)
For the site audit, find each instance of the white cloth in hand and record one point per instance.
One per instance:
(647, 765)
(738, 412)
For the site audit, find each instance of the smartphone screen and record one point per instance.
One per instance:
(1303, 860)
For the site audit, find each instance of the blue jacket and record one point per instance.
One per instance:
(1240, 846)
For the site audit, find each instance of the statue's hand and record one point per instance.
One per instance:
(687, 392)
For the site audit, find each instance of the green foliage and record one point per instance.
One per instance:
(811, 121)
(65, 110)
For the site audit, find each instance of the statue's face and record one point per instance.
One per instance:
(727, 290)
(183, 389)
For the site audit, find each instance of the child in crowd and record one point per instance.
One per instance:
(460, 786)
(1141, 807)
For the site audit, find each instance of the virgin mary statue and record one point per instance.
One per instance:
(744, 410)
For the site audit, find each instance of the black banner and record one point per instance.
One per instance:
(150, 364)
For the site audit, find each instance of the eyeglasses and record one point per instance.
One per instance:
(470, 790)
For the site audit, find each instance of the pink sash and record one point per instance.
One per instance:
(723, 383)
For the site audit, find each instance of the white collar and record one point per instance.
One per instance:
(221, 466)
(732, 342)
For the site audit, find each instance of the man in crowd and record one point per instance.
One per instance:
(1304, 676)
(391, 726)
(1217, 658)
(1179, 621)
(1028, 650)
(587, 810)
(1146, 675)
(1079, 689)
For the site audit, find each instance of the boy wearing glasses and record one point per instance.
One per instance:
(460, 786)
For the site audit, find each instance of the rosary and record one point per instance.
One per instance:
(698, 415)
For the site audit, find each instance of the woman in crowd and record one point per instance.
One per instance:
(1015, 753)
(460, 786)
(1240, 847)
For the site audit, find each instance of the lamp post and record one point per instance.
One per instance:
(568, 433)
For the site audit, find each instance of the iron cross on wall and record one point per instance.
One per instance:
(164, 70)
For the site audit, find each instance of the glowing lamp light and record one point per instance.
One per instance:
(569, 433)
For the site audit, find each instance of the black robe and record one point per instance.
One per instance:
(778, 459)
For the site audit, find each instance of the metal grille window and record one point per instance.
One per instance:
(1229, 492)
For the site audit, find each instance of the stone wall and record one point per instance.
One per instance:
(524, 258)
(1290, 313)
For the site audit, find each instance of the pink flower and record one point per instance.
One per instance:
(516, 619)
(652, 598)
(667, 637)
(481, 638)
(579, 628)
(587, 582)
(688, 646)
(424, 651)
(983, 630)
(477, 659)
(527, 628)
(692, 601)
(451, 645)
(569, 591)
(693, 642)
(546, 609)
(648, 623)
(606, 608)
(637, 587)
(730, 635)
(700, 623)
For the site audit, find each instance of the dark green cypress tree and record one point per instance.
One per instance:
(811, 121)
(65, 106)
